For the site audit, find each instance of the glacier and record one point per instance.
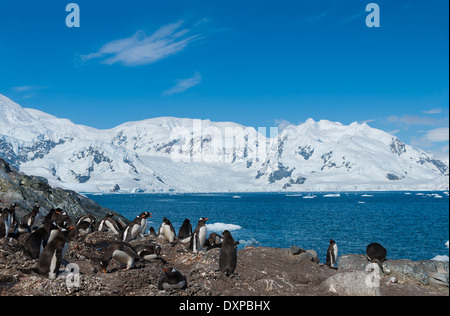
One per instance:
(169, 154)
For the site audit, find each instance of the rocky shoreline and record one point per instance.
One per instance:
(261, 271)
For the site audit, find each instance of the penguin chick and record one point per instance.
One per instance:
(120, 251)
(172, 279)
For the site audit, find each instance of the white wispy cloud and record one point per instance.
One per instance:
(184, 84)
(438, 135)
(143, 49)
(433, 111)
(416, 120)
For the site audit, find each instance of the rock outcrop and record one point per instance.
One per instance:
(25, 191)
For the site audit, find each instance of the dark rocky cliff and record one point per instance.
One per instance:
(25, 191)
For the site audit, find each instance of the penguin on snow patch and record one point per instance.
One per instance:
(376, 253)
(122, 252)
(185, 232)
(110, 224)
(199, 237)
(172, 279)
(228, 254)
(332, 254)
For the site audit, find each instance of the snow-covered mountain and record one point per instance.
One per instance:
(186, 155)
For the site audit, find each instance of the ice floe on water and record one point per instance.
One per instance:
(441, 257)
(220, 227)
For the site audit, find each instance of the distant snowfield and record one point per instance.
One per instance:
(184, 155)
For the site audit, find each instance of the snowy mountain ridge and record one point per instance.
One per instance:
(186, 155)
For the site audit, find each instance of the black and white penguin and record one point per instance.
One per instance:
(228, 254)
(376, 253)
(53, 254)
(167, 231)
(185, 232)
(199, 237)
(110, 224)
(214, 241)
(148, 252)
(122, 252)
(332, 254)
(7, 218)
(27, 223)
(132, 230)
(152, 232)
(37, 241)
(87, 218)
(172, 279)
(144, 221)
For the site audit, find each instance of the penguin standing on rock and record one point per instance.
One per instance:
(144, 221)
(376, 253)
(185, 232)
(167, 231)
(37, 241)
(172, 279)
(110, 224)
(199, 237)
(332, 254)
(53, 254)
(120, 251)
(7, 218)
(228, 254)
(27, 223)
(133, 229)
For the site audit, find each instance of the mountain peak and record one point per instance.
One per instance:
(12, 113)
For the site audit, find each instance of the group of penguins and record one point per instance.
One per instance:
(49, 243)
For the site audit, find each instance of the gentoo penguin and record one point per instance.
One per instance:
(148, 252)
(332, 254)
(29, 220)
(37, 241)
(144, 221)
(199, 237)
(120, 251)
(228, 254)
(7, 218)
(152, 232)
(172, 279)
(185, 232)
(110, 225)
(53, 254)
(214, 241)
(167, 231)
(133, 229)
(376, 253)
(87, 218)
(84, 228)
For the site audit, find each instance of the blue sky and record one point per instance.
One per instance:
(258, 63)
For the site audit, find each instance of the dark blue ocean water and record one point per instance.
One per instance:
(409, 226)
